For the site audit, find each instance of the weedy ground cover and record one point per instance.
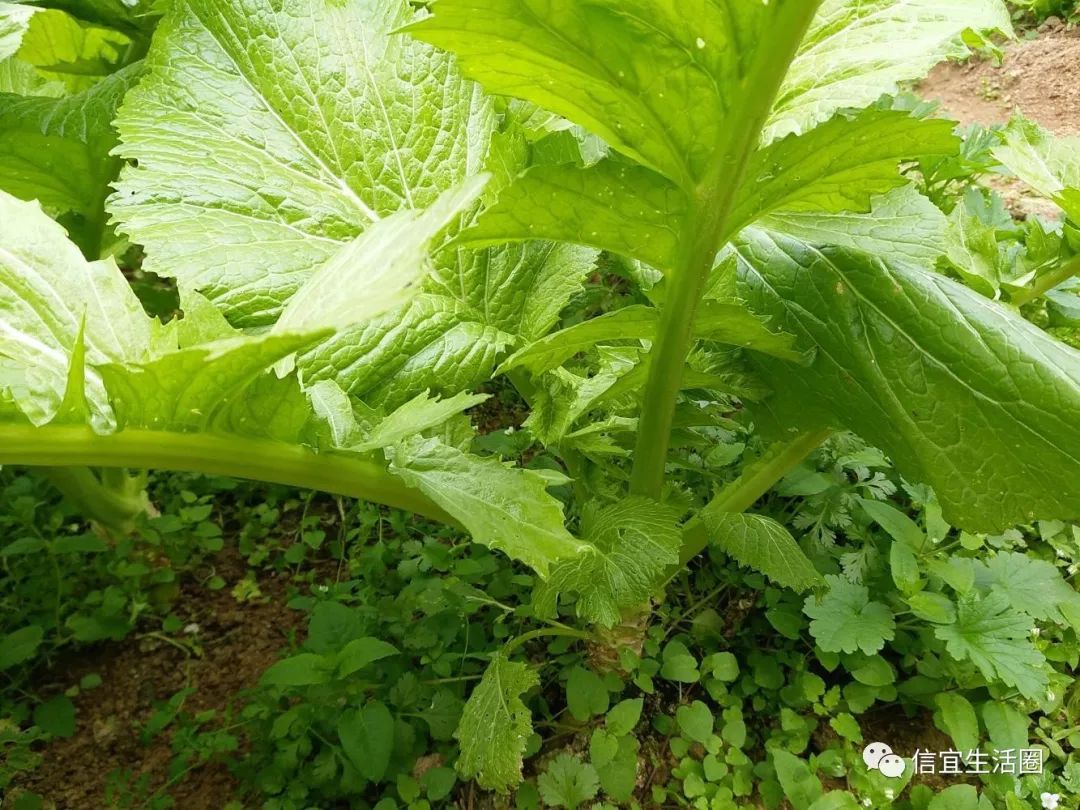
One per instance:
(606, 289)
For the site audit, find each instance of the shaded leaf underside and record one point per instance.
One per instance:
(963, 394)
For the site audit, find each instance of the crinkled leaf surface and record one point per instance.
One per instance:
(379, 270)
(627, 209)
(654, 78)
(452, 335)
(495, 725)
(503, 507)
(313, 121)
(859, 50)
(57, 150)
(198, 388)
(960, 392)
(902, 223)
(64, 319)
(995, 638)
(635, 541)
(764, 545)
(310, 123)
(50, 289)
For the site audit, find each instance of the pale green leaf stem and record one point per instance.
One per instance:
(215, 454)
(707, 228)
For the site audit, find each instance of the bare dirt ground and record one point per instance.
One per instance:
(1039, 77)
(236, 641)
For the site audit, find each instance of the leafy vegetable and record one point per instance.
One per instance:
(292, 138)
(503, 507)
(856, 52)
(764, 544)
(1050, 165)
(147, 386)
(495, 724)
(361, 237)
(634, 541)
(926, 369)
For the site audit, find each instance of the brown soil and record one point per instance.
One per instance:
(1038, 77)
(236, 643)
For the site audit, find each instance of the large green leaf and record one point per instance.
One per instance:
(503, 507)
(77, 342)
(453, 334)
(57, 151)
(309, 123)
(635, 541)
(763, 544)
(185, 376)
(654, 79)
(47, 291)
(859, 50)
(495, 725)
(962, 393)
(328, 124)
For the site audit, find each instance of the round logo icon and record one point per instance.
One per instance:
(891, 766)
(874, 753)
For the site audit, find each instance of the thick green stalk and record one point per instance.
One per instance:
(114, 507)
(748, 488)
(1048, 282)
(213, 454)
(704, 232)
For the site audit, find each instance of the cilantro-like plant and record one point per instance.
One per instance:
(370, 213)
